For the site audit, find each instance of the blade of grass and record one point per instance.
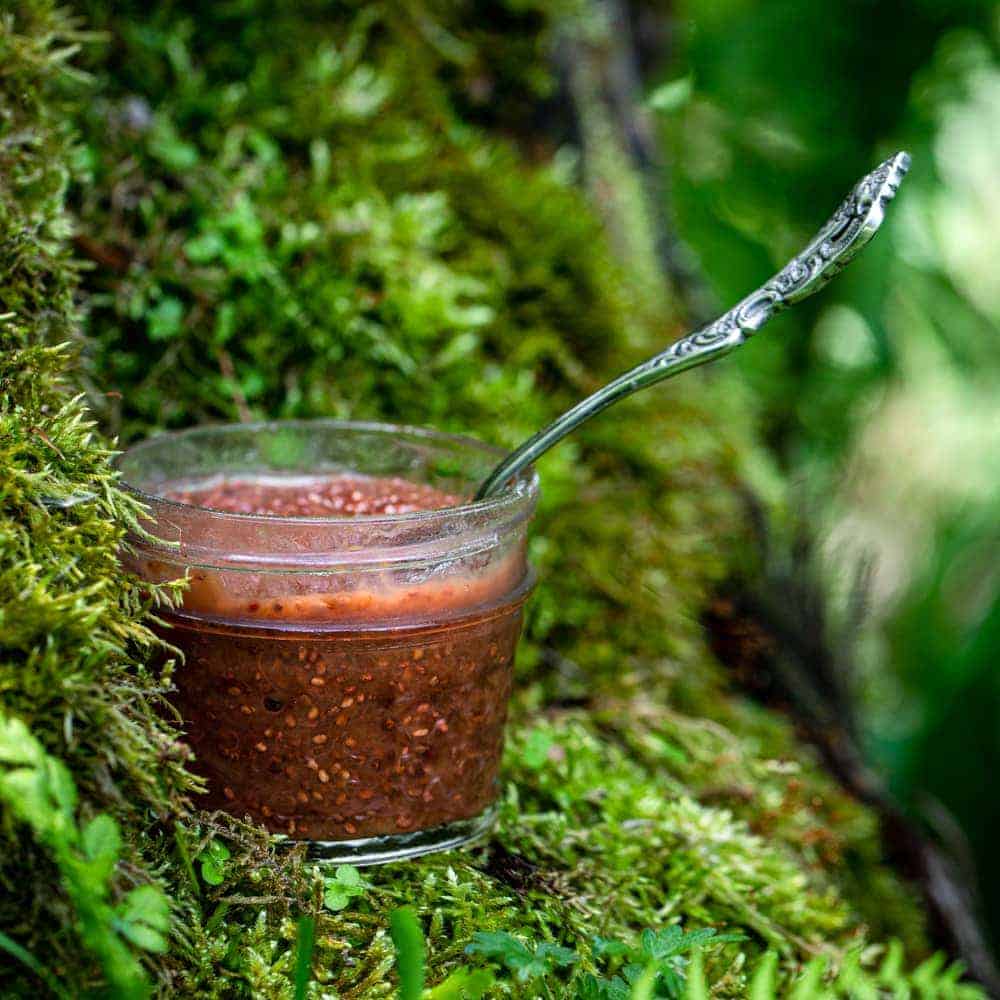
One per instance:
(26, 958)
(645, 984)
(810, 982)
(410, 952)
(215, 920)
(764, 985)
(696, 988)
(185, 857)
(303, 955)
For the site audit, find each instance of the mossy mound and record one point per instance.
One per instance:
(301, 210)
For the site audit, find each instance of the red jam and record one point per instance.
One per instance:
(354, 710)
(331, 496)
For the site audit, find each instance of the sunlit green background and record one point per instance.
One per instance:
(883, 395)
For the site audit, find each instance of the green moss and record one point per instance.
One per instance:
(290, 210)
(72, 631)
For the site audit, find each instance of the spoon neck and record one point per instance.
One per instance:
(693, 350)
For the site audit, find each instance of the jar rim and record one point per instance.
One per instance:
(524, 487)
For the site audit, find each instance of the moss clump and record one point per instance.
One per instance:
(291, 210)
(72, 632)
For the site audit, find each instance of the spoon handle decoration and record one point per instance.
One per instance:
(843, 237)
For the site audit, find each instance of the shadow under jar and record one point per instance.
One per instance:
(348, 629)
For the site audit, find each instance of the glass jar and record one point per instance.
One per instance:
(345, 679)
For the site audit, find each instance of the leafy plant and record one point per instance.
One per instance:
(344, 885)
(934, 979)
(512, 953)
(212, 860)
(39, 791)
(655, 968)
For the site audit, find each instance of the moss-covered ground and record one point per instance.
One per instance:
(210, 212)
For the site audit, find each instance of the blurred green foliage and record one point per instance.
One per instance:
(883, 394)
(789, 103)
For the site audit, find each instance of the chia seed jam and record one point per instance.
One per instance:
(358, 734)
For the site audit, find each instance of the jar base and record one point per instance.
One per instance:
(399, 846)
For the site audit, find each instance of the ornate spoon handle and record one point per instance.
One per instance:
(848, 231)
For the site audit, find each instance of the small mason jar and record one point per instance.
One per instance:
(344, 679)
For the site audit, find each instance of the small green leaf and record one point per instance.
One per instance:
(348, 875)
(145, 918)
(212, 860)
(500, 946)
(617, 989)
(606, 948)
(555, 954)
(671, 96)
(509, 951)
(61, 785)
(145, 937)
(101, 843)
(345, 884)
(536, 748)
(148, 904)
(891, 969)
(29, 795)
(462, 984)
(589, 987)
(17, 745)
(204, 247)
(212, 872)
(335, 899)
(165, 319)
(218, 850)
(674, 940)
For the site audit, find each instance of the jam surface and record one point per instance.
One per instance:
(342, 495)
(359, 730)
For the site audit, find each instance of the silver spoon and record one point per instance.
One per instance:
(849, 230)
